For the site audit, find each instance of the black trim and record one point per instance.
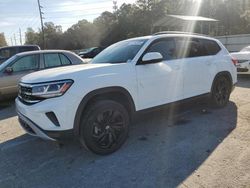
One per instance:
(92, 94)
(58, 135)
(52, 134)
(176, 103)
(242, 70)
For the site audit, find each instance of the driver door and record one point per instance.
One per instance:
(21, 67)
(160, 83)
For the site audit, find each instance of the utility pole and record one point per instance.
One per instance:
(20, 35)
(41, 18)
(15, 38)
(11, 41)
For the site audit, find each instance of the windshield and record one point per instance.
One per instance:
(120, 52)
(5, 63)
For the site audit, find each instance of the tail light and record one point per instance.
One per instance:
(235, 62)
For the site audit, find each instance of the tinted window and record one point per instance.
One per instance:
(211, 46)
(30, 62)
(165, 47)
(26, 48)
(52, 60)
(188, 47)
(8, 52)
(64, 60)
(120, 52)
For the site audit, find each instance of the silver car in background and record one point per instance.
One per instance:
(24, 63)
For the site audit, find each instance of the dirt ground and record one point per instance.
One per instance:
(196, 147)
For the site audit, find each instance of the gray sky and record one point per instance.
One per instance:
(17, 14)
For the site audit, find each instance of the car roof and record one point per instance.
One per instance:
(42, 52)
(172, 34)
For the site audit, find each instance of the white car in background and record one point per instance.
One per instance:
(243, 58)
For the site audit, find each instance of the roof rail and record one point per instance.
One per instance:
(177, 32)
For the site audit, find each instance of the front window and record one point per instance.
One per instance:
(120, 52)
(26, 63)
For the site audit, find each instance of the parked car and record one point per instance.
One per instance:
(90, 52)
(96, 101)
(9, 51)
(24, 63)
(243, 58)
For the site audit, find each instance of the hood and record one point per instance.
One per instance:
(67, 72)
(241, 55)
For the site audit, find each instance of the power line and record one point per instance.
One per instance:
(20, 36)
(63, 11)
(63, 17)
(41, 18)
(77, 4)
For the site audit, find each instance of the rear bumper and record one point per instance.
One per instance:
(32, 129)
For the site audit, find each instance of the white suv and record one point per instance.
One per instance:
(95, 101)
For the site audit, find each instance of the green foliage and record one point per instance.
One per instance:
(2, 40)
(131, 20)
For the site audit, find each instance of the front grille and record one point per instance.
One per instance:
(25, 94)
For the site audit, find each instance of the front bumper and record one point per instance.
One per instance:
(35, 122)
(31, 128)
(34, 130)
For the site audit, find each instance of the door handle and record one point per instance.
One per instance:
(208, 63)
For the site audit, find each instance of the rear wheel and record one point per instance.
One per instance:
(104, 127)
(221, 92)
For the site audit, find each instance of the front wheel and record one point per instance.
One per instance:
(221, 92)
(104, 127)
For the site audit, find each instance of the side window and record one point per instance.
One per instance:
(64, 60)
(165, 47)
(52, 60)
(27, 48)
(8, 52)
(26, 63)
(190, 47)
(211, 46)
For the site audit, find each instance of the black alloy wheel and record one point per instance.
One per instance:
(105, 127)
(221, 92)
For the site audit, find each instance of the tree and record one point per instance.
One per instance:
(31, 37)
(81, 35)
(2, 40)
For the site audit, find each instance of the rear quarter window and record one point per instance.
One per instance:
(212, 47)
(27, 48)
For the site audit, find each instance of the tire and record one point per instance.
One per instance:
(221, 92)
(104, 127)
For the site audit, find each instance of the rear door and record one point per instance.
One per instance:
(198, 66)
(55, 60)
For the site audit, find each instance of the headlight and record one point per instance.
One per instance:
(51, 89)
(32, 93)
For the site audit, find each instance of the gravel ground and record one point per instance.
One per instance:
(193, 147)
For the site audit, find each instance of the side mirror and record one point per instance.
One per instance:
(9, 70)
(152, 57)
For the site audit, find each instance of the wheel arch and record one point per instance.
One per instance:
(225, 74)
(116, 93)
